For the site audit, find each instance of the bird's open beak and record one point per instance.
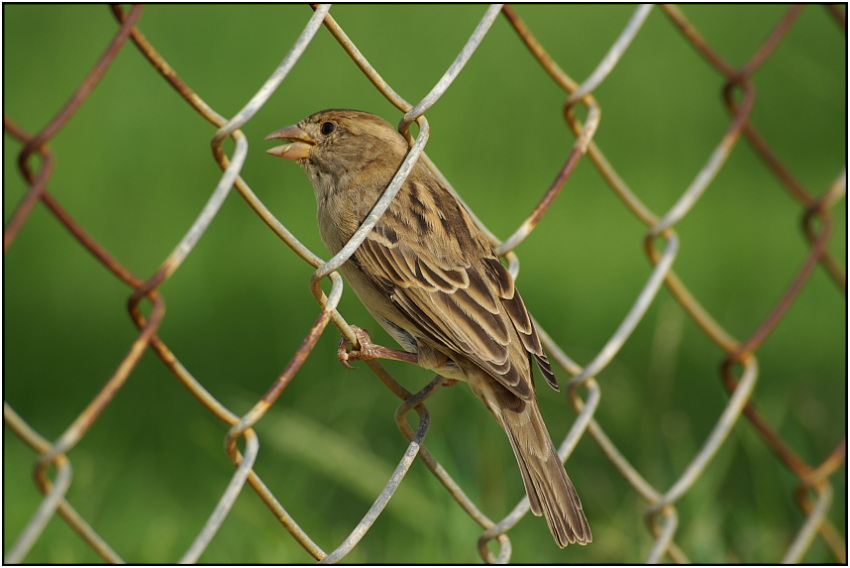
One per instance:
(299, 143)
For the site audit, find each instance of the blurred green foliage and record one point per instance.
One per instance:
(133, 167)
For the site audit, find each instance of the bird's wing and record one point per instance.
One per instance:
(446, 280)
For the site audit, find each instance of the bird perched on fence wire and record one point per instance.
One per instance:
(430, 277)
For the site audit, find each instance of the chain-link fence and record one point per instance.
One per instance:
(719, 157)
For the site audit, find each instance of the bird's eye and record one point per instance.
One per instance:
(328, 127)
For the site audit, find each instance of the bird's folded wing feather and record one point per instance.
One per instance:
(468, 305)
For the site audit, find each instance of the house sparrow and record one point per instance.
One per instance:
(429, 276)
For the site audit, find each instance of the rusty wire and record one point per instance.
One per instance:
(739, 368)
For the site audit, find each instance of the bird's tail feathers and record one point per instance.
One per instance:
(550, 491)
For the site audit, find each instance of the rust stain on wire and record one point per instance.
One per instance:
(35, 143)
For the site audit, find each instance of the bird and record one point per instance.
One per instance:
(429, 276)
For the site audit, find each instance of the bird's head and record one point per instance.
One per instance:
(333, 144)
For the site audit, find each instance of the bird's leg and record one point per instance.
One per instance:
(369, 350)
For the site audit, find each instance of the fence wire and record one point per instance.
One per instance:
(739, 368)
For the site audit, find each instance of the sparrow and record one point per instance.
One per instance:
(430, 278)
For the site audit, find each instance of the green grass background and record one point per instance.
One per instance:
(134, 168)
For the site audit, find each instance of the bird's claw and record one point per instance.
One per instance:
(346, 352)
(367, 350)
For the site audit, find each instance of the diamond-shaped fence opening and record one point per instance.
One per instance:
(672, 180)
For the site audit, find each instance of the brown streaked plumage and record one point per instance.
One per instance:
(429, 276)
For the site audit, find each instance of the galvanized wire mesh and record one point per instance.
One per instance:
(739, 365)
